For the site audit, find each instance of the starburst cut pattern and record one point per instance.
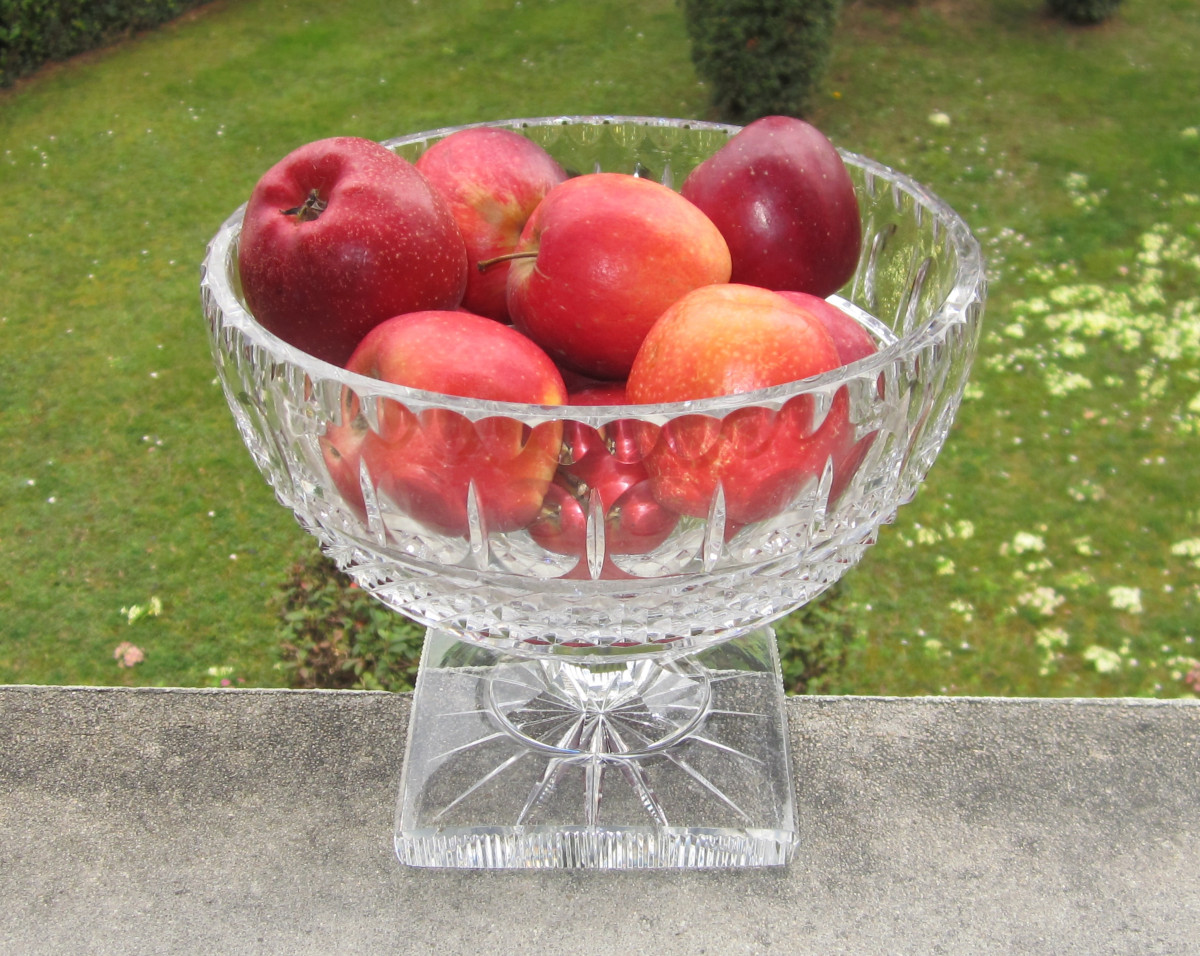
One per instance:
(598, 723)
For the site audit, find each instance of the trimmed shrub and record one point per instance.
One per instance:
(761, 57)
(34, 32)
(335, 636)
(1083, 11)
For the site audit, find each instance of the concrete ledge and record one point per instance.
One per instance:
(241, 821)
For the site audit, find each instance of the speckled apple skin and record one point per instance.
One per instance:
(491, 179)
(384, 244)
(724, 340)
(613, 251)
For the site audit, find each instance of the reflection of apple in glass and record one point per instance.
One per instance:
(784, 201)
(491, 179)
(340, 235)
(853, 343)
(600, 259)
(605, 462)
(427, 462)
(725, 340)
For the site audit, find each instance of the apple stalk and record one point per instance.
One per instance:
(310, 209)
(484, 264)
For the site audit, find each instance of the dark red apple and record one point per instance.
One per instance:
(426, 461)
(602, 256)
(783, 199)
(491, 179)
(340, 235)
(726, 340)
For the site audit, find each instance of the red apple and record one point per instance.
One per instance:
(597, 393)
(605, 461)
(491, 179)
(726, 340)
(853, 343)
(634, 523)
(634, 520)
(602, 256)
(338, 236)
(784, 201)
(426, 461)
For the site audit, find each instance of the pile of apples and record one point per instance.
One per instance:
(485, 270)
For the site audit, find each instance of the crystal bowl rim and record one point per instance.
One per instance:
(215, 283)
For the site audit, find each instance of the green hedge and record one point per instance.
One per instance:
(34, 32)
(1083, 11)
(334, 636)
(761, 57)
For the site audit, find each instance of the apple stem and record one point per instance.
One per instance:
(310, 209)
(484, 264)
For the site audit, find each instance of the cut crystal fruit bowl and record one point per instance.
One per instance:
(607, 699)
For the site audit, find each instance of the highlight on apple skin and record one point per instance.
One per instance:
(783, 199)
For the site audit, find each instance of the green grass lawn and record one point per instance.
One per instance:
(1055, 548)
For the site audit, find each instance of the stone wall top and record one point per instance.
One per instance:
(244, 821)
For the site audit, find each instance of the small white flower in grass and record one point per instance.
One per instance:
(1181, 665)
(938, 118)
(1190, 132)
(1051, 640)
(927, 535)
(1060, 382)
(1024, 542)
(1075, 181)
(135, 612)
(1104, 660)
(964, 608)
(1044, 600)
(1052, 637)
(1188, 549)
(1126, 599)
(1086, 490)
(945, 566)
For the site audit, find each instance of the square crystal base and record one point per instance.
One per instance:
(636, 762)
